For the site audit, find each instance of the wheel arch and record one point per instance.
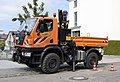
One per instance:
(96, 50)
(92, 50)
(52, 49)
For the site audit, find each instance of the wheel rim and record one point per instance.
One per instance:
(52, 63)
(93, 60)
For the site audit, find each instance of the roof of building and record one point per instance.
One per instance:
(3, 36)
(13, 32)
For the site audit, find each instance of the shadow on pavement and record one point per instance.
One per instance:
(62, 68)
(26, 71)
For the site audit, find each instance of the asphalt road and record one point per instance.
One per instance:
(13, 72)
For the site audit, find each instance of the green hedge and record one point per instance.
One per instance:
(113, 48)
(2, 43)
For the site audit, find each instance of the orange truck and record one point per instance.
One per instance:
(47, 42)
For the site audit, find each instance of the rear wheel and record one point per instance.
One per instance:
(51, 63)
(91, 59)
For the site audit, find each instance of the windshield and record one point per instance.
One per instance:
(27, 25)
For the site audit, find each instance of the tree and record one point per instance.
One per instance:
(36, 9)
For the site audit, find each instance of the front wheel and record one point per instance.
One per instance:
(90, 60)
(51, 63)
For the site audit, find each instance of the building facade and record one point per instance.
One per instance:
(74, 25)
(10, 40)
(98, 18)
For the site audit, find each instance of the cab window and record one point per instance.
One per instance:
(45, 25)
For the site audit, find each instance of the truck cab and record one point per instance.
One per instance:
(37, 32)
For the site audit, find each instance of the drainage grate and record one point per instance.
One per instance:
(78, 78)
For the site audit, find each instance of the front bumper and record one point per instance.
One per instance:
(30, 58)
(27, 56)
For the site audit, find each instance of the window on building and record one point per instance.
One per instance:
(75, 3)
(75, 18)
(76, 33)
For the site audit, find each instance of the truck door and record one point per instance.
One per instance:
(44, 33)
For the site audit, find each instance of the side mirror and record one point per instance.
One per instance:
(14, 19)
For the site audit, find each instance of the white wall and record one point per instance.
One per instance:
(100, 18)
(9, 39)
(71, 14)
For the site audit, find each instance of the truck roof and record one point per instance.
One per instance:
(45, 17)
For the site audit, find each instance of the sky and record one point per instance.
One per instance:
(11, 8)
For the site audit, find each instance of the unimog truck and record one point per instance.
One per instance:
(47, 42)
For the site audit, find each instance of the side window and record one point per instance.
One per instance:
(76, 33)
(45, 25)
(75, 3)
(48, 25)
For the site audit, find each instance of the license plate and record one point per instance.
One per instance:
(26, 54)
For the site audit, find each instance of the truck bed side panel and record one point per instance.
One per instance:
(91, 41)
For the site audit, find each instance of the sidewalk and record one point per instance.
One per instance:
(5, 56)
(110, 59)
(6, 64)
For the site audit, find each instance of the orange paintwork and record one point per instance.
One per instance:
(90, 41)
(51, 35)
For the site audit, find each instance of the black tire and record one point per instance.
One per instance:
(90, 60)
(33, 65)
(51, 63)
